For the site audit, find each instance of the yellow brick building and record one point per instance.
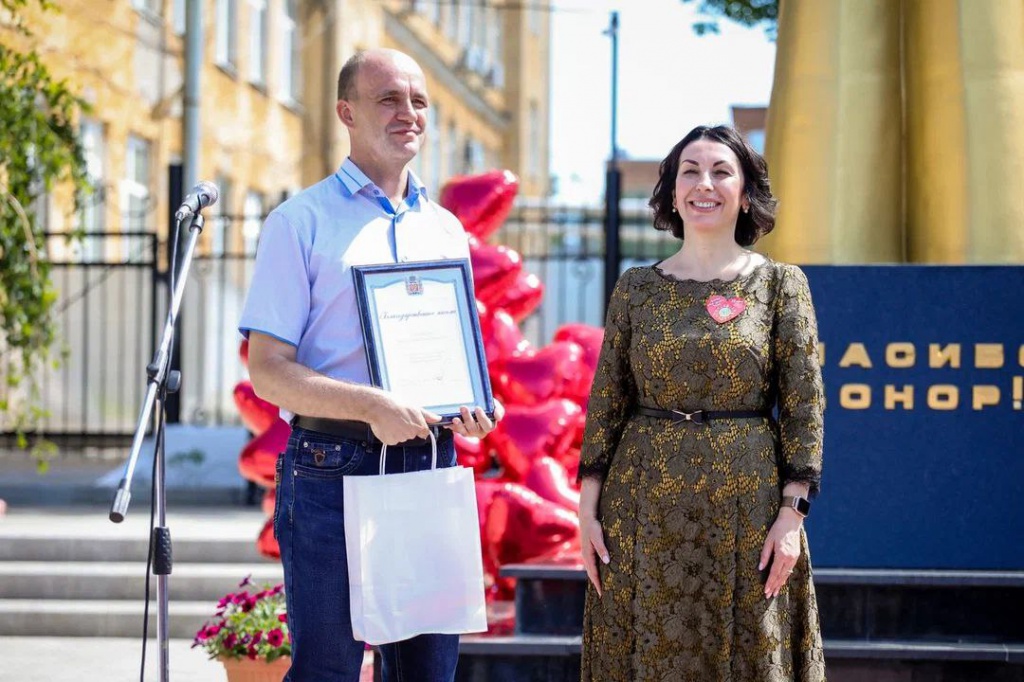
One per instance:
(269, 80)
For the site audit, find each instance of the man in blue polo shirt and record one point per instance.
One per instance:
(306, 355)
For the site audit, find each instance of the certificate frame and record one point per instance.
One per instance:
(423, 299)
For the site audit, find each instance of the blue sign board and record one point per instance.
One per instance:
(924, 418)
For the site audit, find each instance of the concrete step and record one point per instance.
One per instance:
(83, 549)
(124, 580)
(97, 618)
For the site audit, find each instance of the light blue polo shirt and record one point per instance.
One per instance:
(302, 291)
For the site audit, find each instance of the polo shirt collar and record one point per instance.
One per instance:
(355, 180)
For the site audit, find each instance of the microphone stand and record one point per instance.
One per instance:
(160, 382)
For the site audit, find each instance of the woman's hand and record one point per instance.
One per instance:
(783, 542)
(592, 545)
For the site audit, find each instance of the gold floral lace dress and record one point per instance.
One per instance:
(686, 507)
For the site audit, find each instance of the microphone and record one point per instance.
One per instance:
(202, 195)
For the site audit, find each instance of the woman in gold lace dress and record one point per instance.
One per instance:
(693, 495)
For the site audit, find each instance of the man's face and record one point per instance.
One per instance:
(387, 116)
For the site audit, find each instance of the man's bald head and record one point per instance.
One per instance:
(347, 76)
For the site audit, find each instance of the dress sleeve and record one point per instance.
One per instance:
(613, 394)
(800, 392)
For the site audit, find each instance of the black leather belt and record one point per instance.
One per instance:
(702, 416)
(350, 429)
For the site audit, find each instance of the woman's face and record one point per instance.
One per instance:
(709, 187)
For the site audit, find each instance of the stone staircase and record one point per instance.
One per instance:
(73, 573)
(892, 625)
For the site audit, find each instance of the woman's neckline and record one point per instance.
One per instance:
(717, 280)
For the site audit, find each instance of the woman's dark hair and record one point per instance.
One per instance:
(749, 226)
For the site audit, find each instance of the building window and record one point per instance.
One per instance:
(136, 194)
(178, 16)
(474, 156)
(535, 18)
(289, 87)
(91, 216)
(222, 220)
(150, 7)
(453, 151)
(226, 28)
(258, 41)
(450, 20)
(434, 145)
(533, 156)
(465, 24)
(252, 215)
(433, 12)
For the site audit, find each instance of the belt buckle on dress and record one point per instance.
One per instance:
(695, 417)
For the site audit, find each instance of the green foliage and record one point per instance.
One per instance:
(39, 149)
(745, 12)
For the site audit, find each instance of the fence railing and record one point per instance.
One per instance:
(112, 303)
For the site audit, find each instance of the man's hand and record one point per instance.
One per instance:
(396, 423)
(476, 424)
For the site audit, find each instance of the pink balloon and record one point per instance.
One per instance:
(548, 478)
(535, 376)
(523, 526)
(529, 432)
(502, 336)
(494, 269)
(266, 544)
(522, 297)
(589, 339)
(481, 202)
(259, 456)
(257, 414)
(472, 453)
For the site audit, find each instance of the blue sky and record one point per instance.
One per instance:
(669, 81)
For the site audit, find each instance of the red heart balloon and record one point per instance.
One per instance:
(535, 376)
(259, 456)
(494, 269)
(481, 202)
(548, 478)
(502, 336)
(530, 431)
(521, 525)
(269, 497)
(472, 453)
(266, 544)
(523, 297)
(589, 339)
(257, 414)
(484, 496)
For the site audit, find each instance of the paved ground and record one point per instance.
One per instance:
(83, 659)
(65, 659)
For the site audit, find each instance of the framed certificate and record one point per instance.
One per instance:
(422, 335)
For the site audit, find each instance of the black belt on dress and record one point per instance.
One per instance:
(350, 429)
(701, 416)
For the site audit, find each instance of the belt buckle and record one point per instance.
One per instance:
(695, 417)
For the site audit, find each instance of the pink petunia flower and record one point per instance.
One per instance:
(275, 637)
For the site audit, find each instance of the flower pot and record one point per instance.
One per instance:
(246, 670)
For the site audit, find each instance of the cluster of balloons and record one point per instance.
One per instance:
(526, 468)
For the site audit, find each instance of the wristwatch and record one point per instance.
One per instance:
(800, 504)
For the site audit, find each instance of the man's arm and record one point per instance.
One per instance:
(278, 378)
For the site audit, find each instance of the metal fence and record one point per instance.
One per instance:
(112, 303)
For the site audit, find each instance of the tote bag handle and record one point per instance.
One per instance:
(433, 453)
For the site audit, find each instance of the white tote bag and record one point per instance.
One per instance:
(414, 560)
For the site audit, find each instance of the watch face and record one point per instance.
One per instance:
(803, 506)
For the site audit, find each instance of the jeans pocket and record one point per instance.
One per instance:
(278, 468)
(323, 458)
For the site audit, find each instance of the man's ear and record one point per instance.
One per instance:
(344, 111)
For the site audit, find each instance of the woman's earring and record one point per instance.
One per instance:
(674, 210)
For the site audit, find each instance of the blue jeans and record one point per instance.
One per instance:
(310, 527)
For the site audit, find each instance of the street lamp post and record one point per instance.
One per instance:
(613, 178)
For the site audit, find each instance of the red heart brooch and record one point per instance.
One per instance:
(723, 309)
